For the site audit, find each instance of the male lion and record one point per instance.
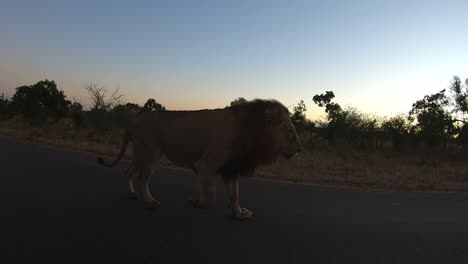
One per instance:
(229, 142)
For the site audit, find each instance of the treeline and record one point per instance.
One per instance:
(434, 122)
(43, 103)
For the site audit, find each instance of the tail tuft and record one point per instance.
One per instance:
(123, 148)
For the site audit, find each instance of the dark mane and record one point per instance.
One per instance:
(254, 144)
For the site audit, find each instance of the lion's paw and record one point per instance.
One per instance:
(243, 214)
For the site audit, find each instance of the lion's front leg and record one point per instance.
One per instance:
(232, 190)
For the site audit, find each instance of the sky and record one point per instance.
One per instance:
(377, 56)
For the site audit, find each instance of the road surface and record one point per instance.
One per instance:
(60, 207)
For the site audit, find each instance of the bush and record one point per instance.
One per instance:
(4, 107)
(152, 105)
(77, 115)
(39, 101)
(122, 114)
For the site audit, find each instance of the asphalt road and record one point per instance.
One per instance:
(60, 207)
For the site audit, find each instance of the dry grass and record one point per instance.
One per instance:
(322, 164)
(63, 134)
(318, 164)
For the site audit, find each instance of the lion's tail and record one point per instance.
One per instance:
(123, 148)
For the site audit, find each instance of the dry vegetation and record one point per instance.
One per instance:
(63, 134)
(422, 150)
(379, 170)
(320, 163)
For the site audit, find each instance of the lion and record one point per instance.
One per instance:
(227, 143)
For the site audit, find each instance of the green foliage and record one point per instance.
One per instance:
(152, 105)
(298, 117)
(460, 97)
(335, 115)
(332, 109)
(357, 129)
(77, 114)
(39, 101)
(431, 120)
(349, 124)
(129, 109)
(369, 128)
(462, 138)
(4, 106)
(122, 114)
(323, 99)
(396, 128)
(435, 123)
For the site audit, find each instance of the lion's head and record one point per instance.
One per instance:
(264, 132)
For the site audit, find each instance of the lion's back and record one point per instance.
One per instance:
(185, 135)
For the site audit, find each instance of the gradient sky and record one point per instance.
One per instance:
(378, 56)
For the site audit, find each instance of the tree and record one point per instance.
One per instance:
(460, 97)
(396, 128)
(335, 115)
(99, 98)
(348, 124)
(237, 101)
(433, 120)
(152, 105)
(128, 108)
(4, 106)
(77, 114)
(39, 101)
(298, 116)
(123, 113)
(331, 108)
(76, 107)
(355, 127)
(368, 128)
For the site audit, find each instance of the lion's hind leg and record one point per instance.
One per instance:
(145, 166)
(130, 173)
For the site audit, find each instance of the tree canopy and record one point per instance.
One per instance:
(40, 100)
(152, 105)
